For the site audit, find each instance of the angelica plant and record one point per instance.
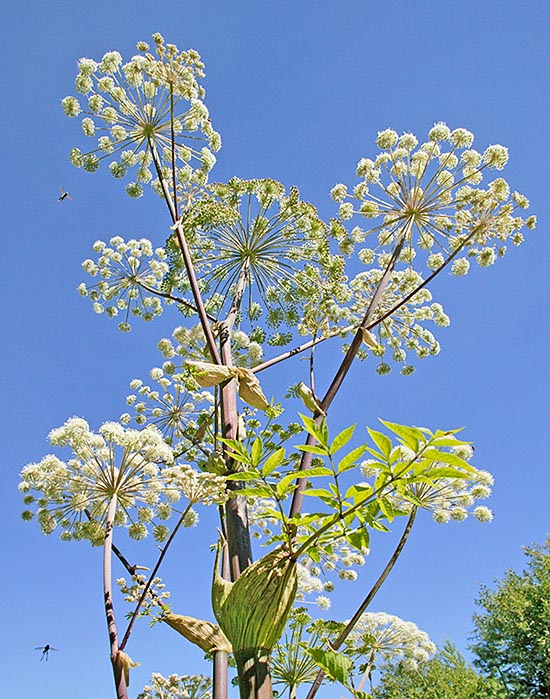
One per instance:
(254, 277)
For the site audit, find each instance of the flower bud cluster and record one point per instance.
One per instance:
(154, 598)
(130, 274)
(172, 405)
(132, 468)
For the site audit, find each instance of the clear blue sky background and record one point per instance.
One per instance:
(298, 91)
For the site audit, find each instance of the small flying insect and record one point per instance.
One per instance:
(64, 195)
(45, 651)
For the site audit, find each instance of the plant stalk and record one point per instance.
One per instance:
(118, 670)
(368, 599)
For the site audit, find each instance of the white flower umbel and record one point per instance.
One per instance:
(177, 687)
(130, 275)
(429, 197)
(389, 638)
(171, 405)
(114, 464)
(135, 109)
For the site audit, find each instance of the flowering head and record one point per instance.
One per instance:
(429, 197)
(385, 636)
(130, 274)
(113, 464)
(148, 115)
(257, 250)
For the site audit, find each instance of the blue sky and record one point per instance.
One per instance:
(298, 91)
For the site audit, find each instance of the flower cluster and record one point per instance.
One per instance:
(197, 487)
(448, 498)
(154, 598)
(400, 328)
(177, 687)
(428, 197)
(259, 253)
(384, 636)
(115, 463)
(150, 113)
(172, 406)
(130, 277)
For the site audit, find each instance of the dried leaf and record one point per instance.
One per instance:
(207, 375)
(369, 339)
(250, 390)
(126, 661)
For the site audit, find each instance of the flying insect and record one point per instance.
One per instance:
(45, 651)
(64, 195)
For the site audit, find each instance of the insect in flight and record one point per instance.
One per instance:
(64, 195)
(45, 651)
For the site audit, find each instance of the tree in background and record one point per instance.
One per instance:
(512, 632)
(254, 278)
(445, 676)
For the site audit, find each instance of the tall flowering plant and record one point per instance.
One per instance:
(258, 278)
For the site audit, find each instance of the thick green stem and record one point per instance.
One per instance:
(253, 673)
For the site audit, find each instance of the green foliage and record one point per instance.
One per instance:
(512, 635)
(446, 676)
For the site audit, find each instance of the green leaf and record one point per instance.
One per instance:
(411, 436)
(274, 461)
(315, 472)
(259, 491)
(445, 472)
(358, 492)
(243, 476)
(336, 665)
(382, 442)
(359, 539)
(349, 460)
(324, 496)
(320, 432)
(342, 439)
(448, 458)
(287, 483)
(257, 450)
(312, 449)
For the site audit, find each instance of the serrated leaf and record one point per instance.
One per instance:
(342, 439)
(448, 458)
(448, 442)
(243, 476)
(259, 491)
(359, 539)
(256, 451)
(358, 492)
(382, 441)
(288, 483)
(311, 426)
(445, 472)
(349, 460)
(312, 449)
(336, 665)
(411, 436)
(274, 461)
